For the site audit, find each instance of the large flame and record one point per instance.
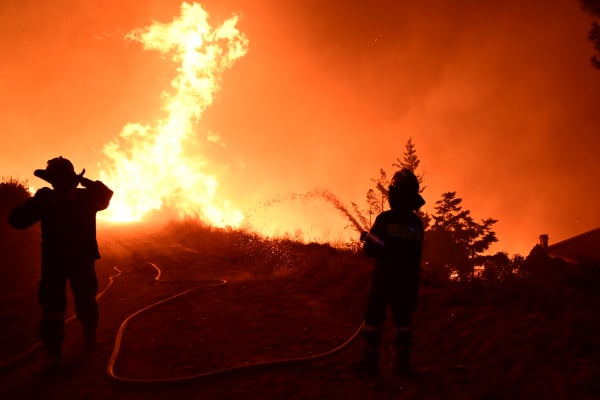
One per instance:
(150, 167)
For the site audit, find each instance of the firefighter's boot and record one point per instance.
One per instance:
(53, 358)
(369, 365)
(402, 366)
(89, 337)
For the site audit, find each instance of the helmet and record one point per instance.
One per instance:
(404, 191)
(59, 172)
(406, 181)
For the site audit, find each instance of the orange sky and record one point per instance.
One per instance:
(501, 102)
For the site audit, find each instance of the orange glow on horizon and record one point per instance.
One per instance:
(504, 110)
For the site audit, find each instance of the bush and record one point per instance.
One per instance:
(12, 193)
(19, 249)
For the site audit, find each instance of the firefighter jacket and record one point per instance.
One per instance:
(68, 220)
(397, 248)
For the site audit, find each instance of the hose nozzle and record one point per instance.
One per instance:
(364, 236)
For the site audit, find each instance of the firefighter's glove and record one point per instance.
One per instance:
(43, 199)
(85, 182)
(363, 236)
(43, 195)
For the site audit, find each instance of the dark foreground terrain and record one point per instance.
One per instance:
(284, 301)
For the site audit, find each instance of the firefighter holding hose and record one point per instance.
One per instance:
(395, 241)
(69, 250)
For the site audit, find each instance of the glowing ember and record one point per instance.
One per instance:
(150, 167)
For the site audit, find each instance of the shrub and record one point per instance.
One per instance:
(19, 249)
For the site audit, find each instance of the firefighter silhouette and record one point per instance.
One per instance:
(395, 241)
(69, 249)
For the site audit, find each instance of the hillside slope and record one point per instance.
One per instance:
(285, 300)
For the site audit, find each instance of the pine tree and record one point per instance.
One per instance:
(410, 161)
(377, 196)
(455, 239)
(593, 8)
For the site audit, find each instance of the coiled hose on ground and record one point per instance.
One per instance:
(110, 369)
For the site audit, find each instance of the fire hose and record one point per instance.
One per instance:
(110, 369)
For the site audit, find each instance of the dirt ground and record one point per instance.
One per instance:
(247, 321)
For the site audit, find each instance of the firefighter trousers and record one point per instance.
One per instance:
(52, 295)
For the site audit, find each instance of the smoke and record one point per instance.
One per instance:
(499, 98)
(591, 6)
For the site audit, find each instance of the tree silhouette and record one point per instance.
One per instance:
(18, 249)
(376, 200)
(593, 7)
(12, 193)
(377, 197)
(411, 161)
(380, 194)
(455, 241)
(498, 268)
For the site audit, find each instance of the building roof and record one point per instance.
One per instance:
(583, 247)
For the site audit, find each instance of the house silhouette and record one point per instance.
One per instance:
(583, 248)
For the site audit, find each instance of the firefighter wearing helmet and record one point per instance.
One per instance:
(69, 249)
(395, 241)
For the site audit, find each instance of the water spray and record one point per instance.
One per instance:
(320, 194)
(332, 198)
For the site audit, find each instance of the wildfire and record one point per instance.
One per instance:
(150, 168)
